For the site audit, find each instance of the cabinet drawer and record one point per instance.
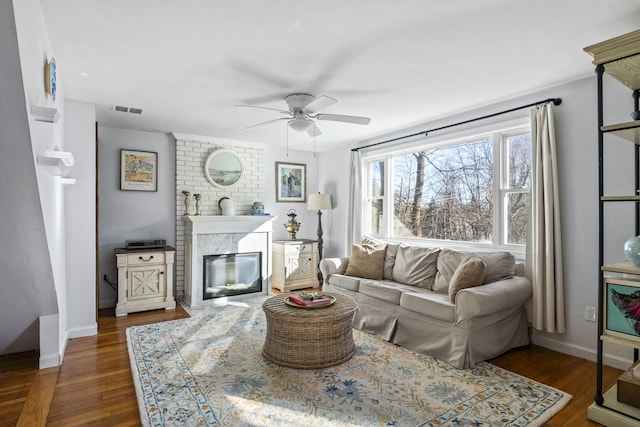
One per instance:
(145, 258)
(298, 249)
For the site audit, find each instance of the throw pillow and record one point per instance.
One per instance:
(389, 256)
(500, 265)
(470, 273)
(448, 262)
(366, 261)
(416, 266)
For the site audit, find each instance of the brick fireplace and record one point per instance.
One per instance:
(219, 235)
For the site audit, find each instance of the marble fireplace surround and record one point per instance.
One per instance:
(212, 235)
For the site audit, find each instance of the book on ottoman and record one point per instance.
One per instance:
(300, 300)
(629, 386)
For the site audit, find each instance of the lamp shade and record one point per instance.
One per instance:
(318, 202)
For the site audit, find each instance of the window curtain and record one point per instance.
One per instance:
(544, 248)
(354, 224)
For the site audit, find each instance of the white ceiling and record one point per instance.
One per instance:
(187, 63)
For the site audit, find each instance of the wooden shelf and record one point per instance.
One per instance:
(620, 341)
(625, 267)
(626, 71)
(611, 414)
(617, 55)
(620, 198)
(629, 131)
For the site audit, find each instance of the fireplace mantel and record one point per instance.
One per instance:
(230, 224)
(219, 234)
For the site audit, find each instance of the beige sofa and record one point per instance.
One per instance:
(459, 307)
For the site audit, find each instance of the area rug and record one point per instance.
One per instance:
(209, 371)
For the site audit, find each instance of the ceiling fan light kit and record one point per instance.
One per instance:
(301, 125)
(303, 109)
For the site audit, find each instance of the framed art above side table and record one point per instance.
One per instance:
(138, 170)
(291, 182)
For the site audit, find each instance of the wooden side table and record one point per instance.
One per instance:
(309, 338)
(145, 279)
(295, 264)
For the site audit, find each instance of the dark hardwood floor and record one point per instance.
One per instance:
(94, 384)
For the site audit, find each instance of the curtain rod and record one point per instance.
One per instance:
(556, 101)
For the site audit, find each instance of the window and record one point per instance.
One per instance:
(472, 190)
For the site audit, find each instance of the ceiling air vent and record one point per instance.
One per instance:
(123, 109)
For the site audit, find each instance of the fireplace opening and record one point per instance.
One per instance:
(232, 274)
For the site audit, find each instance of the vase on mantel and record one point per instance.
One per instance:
(632, 250)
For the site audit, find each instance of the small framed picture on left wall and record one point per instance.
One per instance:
(138, 170)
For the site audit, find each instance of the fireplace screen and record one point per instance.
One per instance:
(232, 274)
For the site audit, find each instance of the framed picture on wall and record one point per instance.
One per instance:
(622, 309)
(138, 170)
(291, 182)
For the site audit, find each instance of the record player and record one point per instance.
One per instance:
(145, 244)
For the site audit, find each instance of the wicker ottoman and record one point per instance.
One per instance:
(309, 338)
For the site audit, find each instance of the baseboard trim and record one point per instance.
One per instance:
(49, 361)
(582, 352)
(86, 331)
(54, 359)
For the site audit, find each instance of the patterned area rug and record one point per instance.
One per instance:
(209, 371)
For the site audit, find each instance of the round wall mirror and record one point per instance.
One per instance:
(223, 168)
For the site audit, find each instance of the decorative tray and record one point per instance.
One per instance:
(326, 304)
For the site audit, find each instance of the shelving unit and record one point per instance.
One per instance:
(619, 58)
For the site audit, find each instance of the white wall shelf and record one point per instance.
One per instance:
(57, 162)
(45, 114)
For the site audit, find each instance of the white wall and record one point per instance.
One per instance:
(34, 48)
(80, 218)
(131, 215)
(576, 131)
(26, 287)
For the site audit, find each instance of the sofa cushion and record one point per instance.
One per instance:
(386, 291)
(500, 265)
(416, 266)
(345, 282)
(448, 262)
(430, 304)
(389, 256)
(390, 261)
(469, 273)
(366, 261)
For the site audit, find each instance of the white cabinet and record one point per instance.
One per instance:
(145, 279)
(295, 264)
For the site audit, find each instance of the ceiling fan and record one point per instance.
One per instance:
(303, 109)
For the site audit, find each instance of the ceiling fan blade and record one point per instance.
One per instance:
(342, 118)
(314, 131)
(321, 102)
(267, 122)
(263, 108)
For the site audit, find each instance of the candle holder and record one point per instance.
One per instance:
(187, 201)
(197, 197)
